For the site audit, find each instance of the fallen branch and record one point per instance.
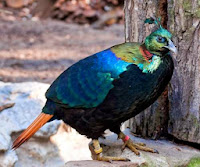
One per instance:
(5, 106)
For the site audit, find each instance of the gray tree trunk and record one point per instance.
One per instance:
(184, 23)
(180, 117)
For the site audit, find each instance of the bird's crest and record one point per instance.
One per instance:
(158, 26)
(156, 21)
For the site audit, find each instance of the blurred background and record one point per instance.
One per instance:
(39, 39)
(44, 37)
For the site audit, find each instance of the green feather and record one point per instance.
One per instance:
(156, 21)
(150, 20)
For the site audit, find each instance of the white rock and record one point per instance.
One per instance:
(7, 159)
(29, 99)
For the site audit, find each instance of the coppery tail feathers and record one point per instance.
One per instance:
(31, 130)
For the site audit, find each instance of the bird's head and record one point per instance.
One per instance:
(159, 42)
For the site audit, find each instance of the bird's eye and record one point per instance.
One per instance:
(161, 39)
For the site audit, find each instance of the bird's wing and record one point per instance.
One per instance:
(87, 83)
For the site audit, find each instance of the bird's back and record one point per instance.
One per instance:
(86, 83)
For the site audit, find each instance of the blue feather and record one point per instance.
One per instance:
(87, 83)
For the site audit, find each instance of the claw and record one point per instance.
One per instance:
(110, 159)
(135, 147)
(96, 151)
(124, 145)
(141, 144)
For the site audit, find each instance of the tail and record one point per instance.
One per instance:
(32, 129)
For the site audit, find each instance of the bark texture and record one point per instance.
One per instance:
(153, 121)
(180, 115)
(184, 23)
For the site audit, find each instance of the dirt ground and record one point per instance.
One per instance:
(41, 50)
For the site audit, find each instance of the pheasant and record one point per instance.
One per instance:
(107, 88)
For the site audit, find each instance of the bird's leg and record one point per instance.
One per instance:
(96, 151)
(134, 146)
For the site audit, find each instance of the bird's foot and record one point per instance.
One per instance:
(100, 157)
(96, 151)
(134, 146)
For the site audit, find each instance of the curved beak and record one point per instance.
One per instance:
(171, 47)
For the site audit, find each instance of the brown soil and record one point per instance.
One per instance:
(41, 50)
